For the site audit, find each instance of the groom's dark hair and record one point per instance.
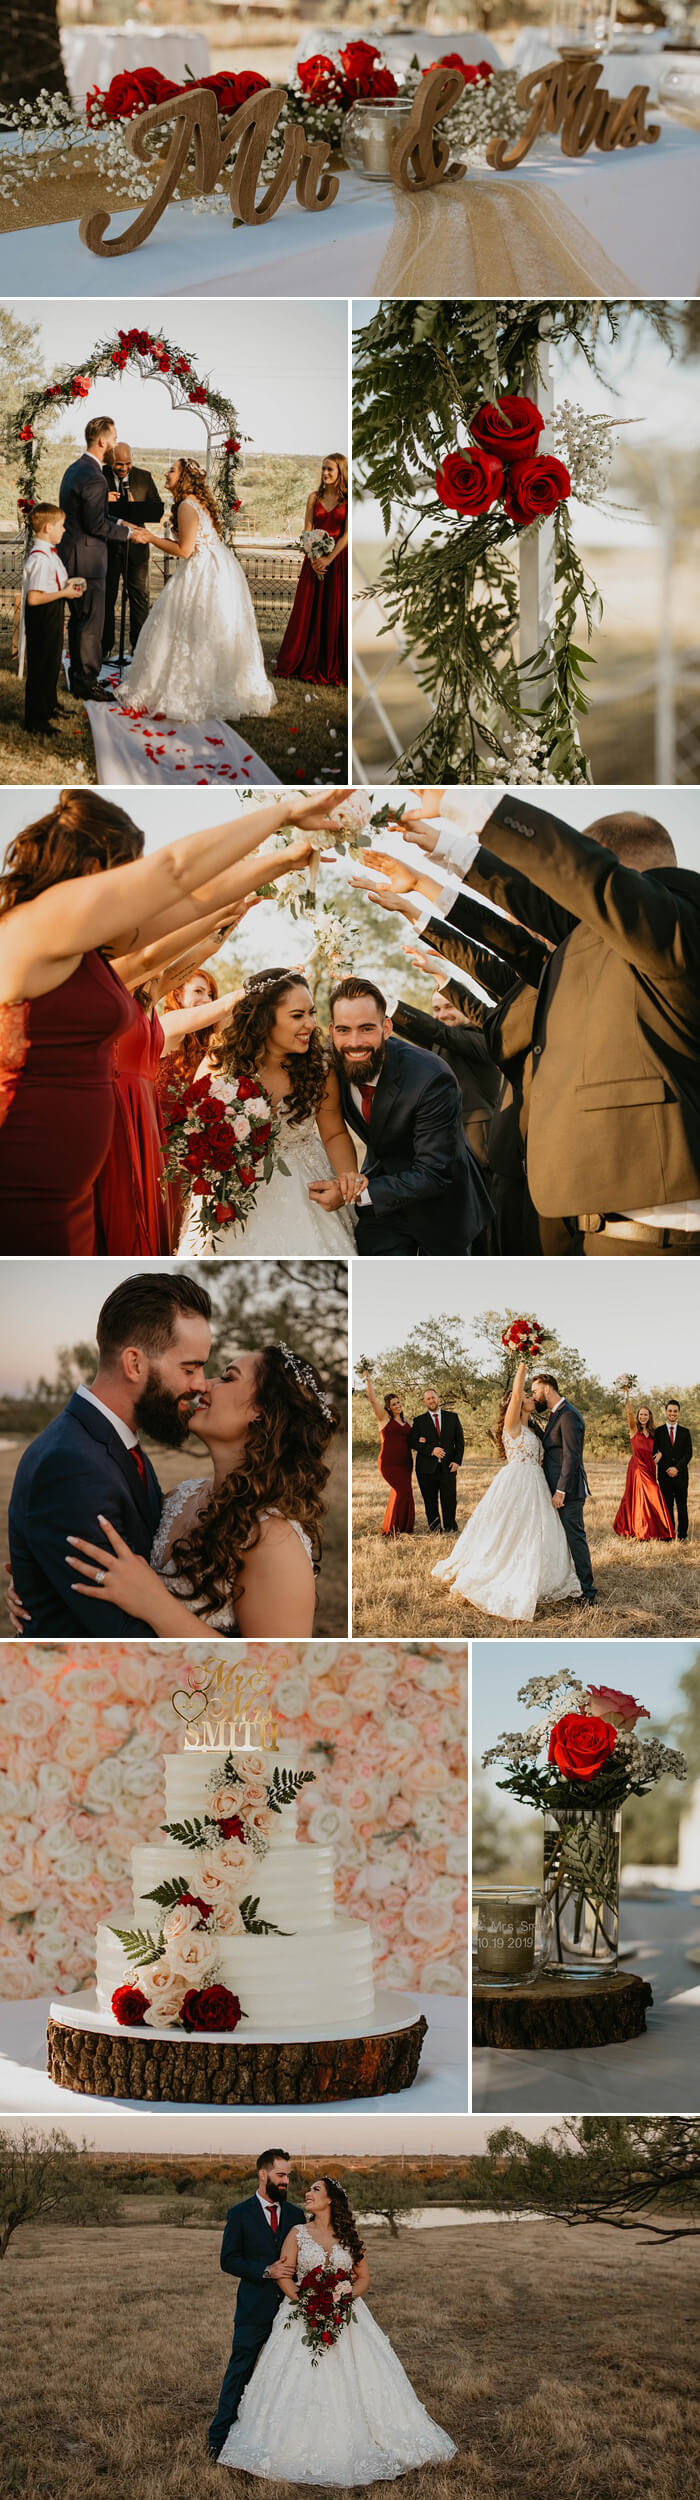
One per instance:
(97, 426)
(265, 2160)
(354, 987)
(550, 1380)
(144, 1310)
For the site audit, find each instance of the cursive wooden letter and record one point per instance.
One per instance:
(194, 119)
(418, 158)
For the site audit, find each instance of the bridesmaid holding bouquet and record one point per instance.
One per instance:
(315, 646)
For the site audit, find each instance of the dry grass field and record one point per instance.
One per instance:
(644, 1590)
(172, 1465)
(563, 2365)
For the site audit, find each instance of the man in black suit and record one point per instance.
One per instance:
(420, 1192)
(137, 500)
(253, 2239)
(438, 1441)
(153, 1336)
(90, 530)
(565, 1472)
(675, 1447)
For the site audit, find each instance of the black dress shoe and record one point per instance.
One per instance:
(100, 694)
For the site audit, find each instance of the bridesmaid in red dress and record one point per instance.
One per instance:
(395, 1462)
(315, 645)
(643, 1513)
(133, 1214)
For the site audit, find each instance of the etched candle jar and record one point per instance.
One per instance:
(368, 134)
(509, 1935)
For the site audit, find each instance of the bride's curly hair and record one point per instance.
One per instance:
(240, 1044)
(81, 833)
(343, 2224)
(282, 1469)
(191, 480)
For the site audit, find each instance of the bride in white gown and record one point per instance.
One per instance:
(199, 655)
(354, 2417)
(272, 1036)
(513, 1551)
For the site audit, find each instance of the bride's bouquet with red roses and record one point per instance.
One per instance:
(324, 2301)
(223, 1143)
(524, 1338)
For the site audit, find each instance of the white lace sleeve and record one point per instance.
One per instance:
(173, 1505)
(298, 1530)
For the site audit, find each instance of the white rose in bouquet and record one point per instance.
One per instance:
(316, 542)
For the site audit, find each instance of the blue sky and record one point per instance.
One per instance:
(500, 1668)
(609, 1311)
(284, 366)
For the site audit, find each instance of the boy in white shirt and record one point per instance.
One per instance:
(45, 586)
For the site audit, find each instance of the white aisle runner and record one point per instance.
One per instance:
(144, 746)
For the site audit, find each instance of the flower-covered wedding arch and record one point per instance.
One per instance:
(155, 358)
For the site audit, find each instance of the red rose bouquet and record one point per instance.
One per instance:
(222, 1142)
(324, 2301)
(503, 465)
(524, 1338)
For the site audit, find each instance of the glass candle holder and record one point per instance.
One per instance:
(678, 93)
(586, 26)
(368, 133)
(509, 1935)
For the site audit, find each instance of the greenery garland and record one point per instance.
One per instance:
(155, 357)
(420, 370)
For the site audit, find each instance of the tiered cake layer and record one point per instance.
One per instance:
(189, 1777)
(292, 1885)
(283, 1982)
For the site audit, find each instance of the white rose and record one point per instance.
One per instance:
(221, 1872)
(180, 1921)
(329, 1823)
(165, 1988)
(222, 1089)
(53, 1780)
(105, 1783)
(241, 1127)
(258, 1108)
(228, 1919)
(352, 813)
(194, 1954)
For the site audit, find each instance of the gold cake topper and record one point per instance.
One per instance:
(227, 1705)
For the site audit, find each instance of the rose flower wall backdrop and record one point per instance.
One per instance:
(383, 1728)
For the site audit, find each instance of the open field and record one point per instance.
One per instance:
(172, 1465)
(560, 2365)
(644, 1590)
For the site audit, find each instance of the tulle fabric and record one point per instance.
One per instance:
(199, 654)
(513, 1551)
(284, 1217)
(643, 1514)
(353, 2419)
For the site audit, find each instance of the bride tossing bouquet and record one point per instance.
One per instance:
(524, 1338)
(324, 2301)
(223, 1143)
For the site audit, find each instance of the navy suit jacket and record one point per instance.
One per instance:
(563, 1453)
(248, 2246)
(89, 530)
(420, 1170)
(74, 1469)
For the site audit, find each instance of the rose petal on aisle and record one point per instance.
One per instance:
(131, 747)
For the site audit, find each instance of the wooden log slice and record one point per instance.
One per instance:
(561, 2013)
(262, 2073)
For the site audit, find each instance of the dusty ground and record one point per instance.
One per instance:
(643, 1589)
(562, 2365)
(332, 1607)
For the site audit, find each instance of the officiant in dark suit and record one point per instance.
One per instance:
(674, 1447)
(420, 1192)
(438, 1441)
(91, 526)
(251, 2247)
(139, 501)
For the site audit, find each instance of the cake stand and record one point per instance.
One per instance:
(89, 2051)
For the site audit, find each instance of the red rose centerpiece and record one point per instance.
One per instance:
(505, 467)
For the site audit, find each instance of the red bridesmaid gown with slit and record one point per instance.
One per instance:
(643, 1513)
(133, 1213)
(57, 1107)
(395, 1464)
(315, 645)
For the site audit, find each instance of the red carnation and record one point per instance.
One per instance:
(534, 489)
(509, 426)
(469, 481)
(129, 2004)
(210, 2009)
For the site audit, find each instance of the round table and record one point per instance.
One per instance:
(92, 55)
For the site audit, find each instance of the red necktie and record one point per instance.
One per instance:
(273, 2216)
(136, 1453)
(367, 1099)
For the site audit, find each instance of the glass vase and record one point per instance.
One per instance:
(582, 1887)
(368, 133)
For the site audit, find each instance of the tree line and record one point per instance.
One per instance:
(436, 1354)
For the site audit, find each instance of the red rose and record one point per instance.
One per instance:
(231, 1827)
(222, 1215)
(230, 444)
(247, 1175)
(232, 87)
(210, 2009)
(326, 2339)
(469, 481)
(79, 386)
(130, 92)
(193, 1902)
(26, 434)
(129, 2004)
(182, 365)
(509, 426)
(198, 395)
(246, 1087)
(320, 78)
(534, 489)
(363, 76)
(471, 70)
(580, 1746)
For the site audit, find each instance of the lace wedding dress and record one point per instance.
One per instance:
(284, 1217)
(353, 2419)
(199, 655)
(513, 1551)
(193, 1495)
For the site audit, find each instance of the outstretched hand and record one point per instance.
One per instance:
(317, 811)
(385, 895)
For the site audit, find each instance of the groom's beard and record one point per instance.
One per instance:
(359, 1071)
(158, 1412)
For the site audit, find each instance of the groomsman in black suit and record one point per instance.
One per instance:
(253, 2239)
(675, 1447)
(137, 499)
(438, 1441)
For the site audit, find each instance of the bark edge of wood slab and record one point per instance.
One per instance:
(561, 2013)
(228, 2073)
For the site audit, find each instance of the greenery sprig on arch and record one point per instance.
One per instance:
(155, 358)
(421, 370)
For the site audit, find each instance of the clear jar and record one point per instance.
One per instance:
(509, 1935)
(368, 134)
(582, 1888)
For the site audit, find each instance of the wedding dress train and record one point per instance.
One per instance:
(513, 1551)
(284, 1217)
(199, 654)
(352, 2419)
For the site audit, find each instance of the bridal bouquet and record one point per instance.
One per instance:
(223, 1143)
(524, 1338)
(324, 2301)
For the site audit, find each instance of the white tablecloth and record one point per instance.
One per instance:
(93, 54)
(400, 50)
(658, 2071)
(640, 206)
(25, 2088)
(621, 70)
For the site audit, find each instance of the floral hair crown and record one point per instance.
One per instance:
(258, 981)
(306, 1378)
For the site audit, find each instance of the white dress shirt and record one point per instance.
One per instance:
(126, 1435)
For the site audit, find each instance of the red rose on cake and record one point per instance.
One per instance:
(210, 2009)
(129, 2005)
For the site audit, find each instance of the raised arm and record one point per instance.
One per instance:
(512, 1414)
(631, 1422)
(511, 949)
(651, 923)
(377, 1409)
(449, 941)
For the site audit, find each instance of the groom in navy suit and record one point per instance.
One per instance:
(420, 1192)
(564, 1436)
(253, 2239)
(89, 532)
(153, 1336)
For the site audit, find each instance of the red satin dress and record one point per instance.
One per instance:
(133, 1215)
(57, 1106)
(643, 1513)
(315, 645)
(396, 1466)
(171, 1080)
